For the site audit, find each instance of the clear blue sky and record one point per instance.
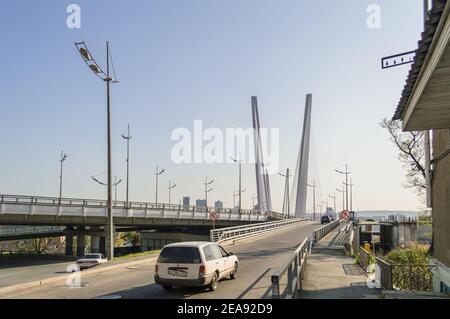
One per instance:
(182, 60)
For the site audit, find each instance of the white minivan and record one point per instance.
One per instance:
(194, 264)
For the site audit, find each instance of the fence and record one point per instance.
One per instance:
(364, 258)
(320, 233)
(405, 277)
(287, 281)
(240, 232)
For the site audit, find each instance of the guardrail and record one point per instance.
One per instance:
(287, 281)
(96, 203)
(405, 277)
(364, 259)
(320, 233)
(240, 232)
(18, 204)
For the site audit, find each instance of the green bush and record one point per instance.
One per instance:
(409, 256)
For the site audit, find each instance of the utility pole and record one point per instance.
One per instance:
(343, 196)
(346, 173)
(313, 186)
(127, 137)
(62, 160)
(170, 189)
(240, 182)
(334, 198)
(157, 173)
(207, 190)
(351, 195)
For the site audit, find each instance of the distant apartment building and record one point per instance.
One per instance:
(200, 203)
(186, 202)
(218, 205)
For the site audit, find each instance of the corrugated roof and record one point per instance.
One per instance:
(421, 53)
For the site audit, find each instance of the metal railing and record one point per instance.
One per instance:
(287, 280)
(240, 232)
(405, 277)
(74, 206)
(321, 232)
(364, 259)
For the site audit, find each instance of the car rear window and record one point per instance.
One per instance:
(179, 255)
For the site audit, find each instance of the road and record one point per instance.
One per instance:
(257, 258)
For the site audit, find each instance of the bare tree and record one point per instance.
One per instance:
(411, 154)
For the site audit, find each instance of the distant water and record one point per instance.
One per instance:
(380, 214)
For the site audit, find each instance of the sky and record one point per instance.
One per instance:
(184, 60)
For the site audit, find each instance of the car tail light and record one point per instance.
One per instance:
(202, 270)
(156, 269)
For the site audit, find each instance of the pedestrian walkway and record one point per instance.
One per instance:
(331, 274)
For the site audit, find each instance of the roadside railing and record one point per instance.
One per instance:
(321, 232)
(24, 230)
(405, 277)
(240, 232)
(287, 280)
(364, 258)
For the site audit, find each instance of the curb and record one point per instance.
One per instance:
(19, 287)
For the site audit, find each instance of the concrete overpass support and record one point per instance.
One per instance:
(95, 241)
(69, 245)
(102, 245)
(80, 242)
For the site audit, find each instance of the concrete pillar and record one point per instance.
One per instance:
(80, 242)
(102, 245)
(69, 245)
(95, 241)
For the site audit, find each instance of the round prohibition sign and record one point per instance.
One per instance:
(213, 216)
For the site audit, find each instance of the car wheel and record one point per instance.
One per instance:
(214, 282)
(167, 288)
(233, 274)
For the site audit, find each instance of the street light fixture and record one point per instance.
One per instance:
(206, 183)
(61, 160)
(346, 173)
(157, 173)
(105, 76)
(170, 190)
(116, 182)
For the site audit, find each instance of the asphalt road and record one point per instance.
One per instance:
(257, 259)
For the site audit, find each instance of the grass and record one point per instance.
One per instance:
(145, 253)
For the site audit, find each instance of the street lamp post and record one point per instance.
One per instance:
(240, 184)
(346, 173)
(313, 186)
(286, 200)
(127, 137)
(90, 62)
(170, 190)
(61, 160)
(343, 196)
(207, 190)
(334, 198)
(157, 173)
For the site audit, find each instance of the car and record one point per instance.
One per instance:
(325, 219)
(194, 264)
(91, 260)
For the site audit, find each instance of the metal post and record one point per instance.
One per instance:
(346, 186)
(63, 158)
(156, 195)
(110, 227)
(240, 187)
(427, 149)
(128, 138)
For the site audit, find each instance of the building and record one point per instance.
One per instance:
(425, 106)
(200, 203)
(186, 202)
(218, 205)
